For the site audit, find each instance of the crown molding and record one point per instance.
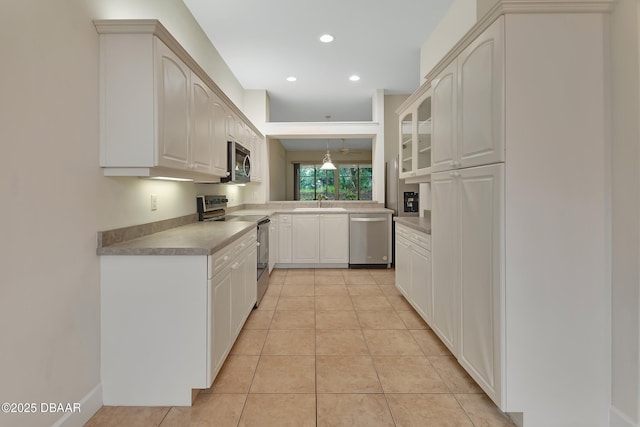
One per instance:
(507, 7)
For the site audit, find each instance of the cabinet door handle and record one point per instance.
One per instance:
(454, 174)
(235, 266)
(226, 258)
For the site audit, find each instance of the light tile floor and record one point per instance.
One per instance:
(330, 348)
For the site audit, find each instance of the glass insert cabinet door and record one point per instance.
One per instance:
(406, 138)
(424, 133)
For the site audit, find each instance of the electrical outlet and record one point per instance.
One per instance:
(154, 202)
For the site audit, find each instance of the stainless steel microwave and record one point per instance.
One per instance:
(238, 164)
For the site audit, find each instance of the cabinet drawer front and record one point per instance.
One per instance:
(219, 261)
(284, 219)
(245, 242)
(423, 240)
(402, 231)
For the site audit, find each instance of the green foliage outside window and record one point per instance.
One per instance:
(353, 182)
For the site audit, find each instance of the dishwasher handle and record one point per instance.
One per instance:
(368, 219)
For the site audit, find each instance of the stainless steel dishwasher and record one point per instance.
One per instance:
(370, 240)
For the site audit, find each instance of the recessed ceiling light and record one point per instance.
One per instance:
(354, 78)
(326, 38)
(291, 79)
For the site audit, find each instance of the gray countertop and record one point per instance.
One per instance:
(306, 210)
(199, 238)
(205, 238)
(416, 223)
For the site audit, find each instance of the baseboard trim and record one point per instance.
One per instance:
(89, 405)
(618, 419)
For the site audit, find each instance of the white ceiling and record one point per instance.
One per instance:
(265, 41)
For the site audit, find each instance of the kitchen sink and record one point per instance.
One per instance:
(319, 210)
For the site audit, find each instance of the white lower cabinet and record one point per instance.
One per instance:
(468, 278)
(444, 232)
(305, 239)
(334, 239)
(313, 239)
(284, 238)
(274, 238)
(168, 322)
(220, 320)
(413, 269)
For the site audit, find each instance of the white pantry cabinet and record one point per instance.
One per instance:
(468, 275)
(413, 269)
(161, 114)
(168, 322)
(518, 235)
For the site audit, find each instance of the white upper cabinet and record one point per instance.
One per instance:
(406, 145)
(481, 96)
(468, 105)
(201, 136)
(415, 138)
(444, 151)
(161, 114)
(219, 113)
(174, 97)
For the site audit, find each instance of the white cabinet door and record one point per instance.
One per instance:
(444, 234)
(251, 279)
(201, 132)
(273, 242)
(403, 265)
(444, 119)
(231, 127)
(304, 239)
(220, 321)
(173, 108)
(220, 137)
(421, 281)
(284, 238)
(481, 274)
(238, 293)
(334, 238)
(481, 95)
(406, 145)
(423, 135)
(258, 156)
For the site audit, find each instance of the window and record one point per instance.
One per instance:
(353, 182)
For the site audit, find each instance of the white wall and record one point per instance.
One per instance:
(391, 132)
(177, 18)
(625, 27)
(460, 17)
(277, 170)
(55, 199)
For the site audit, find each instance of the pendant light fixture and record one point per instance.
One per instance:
(327, 164)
